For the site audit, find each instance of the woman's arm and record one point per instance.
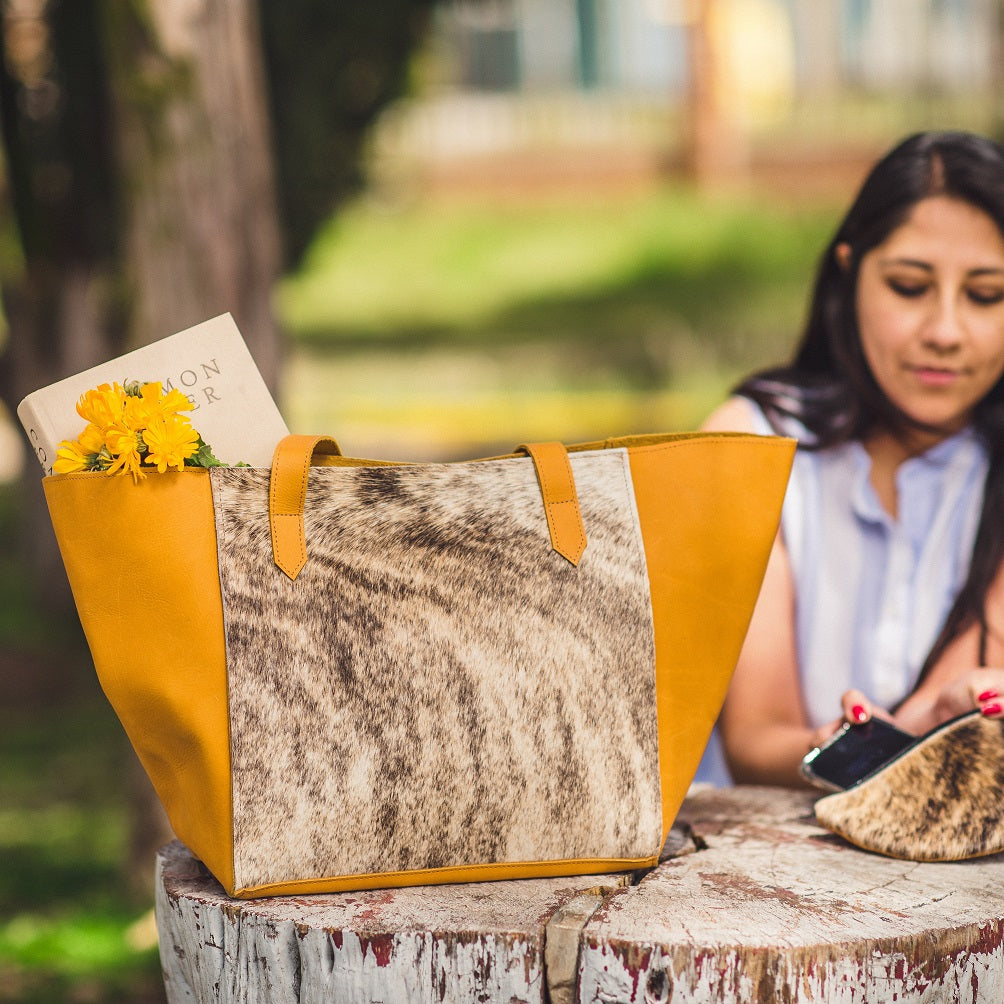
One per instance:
(763, 725)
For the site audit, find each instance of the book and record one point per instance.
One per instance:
(209, 363)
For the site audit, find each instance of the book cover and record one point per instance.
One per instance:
(209, 362)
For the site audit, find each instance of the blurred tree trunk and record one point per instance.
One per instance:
(56, 300)
(199, 225)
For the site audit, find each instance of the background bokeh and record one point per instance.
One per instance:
(445, 228)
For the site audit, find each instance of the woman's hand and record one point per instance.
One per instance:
(856, 709)
(977, 689)
(939, 700)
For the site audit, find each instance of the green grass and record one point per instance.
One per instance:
(659, 266)
(450, 404)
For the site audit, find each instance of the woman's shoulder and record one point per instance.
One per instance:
(737, 414)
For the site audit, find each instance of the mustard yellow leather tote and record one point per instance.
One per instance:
(356, 674)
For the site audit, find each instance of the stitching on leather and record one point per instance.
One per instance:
(570, 479)
(770, 442)
(301, 544)
(574, 500)
(550, 502)
(301, 497)
(55, 480)
(579, 526)
(273, 480)
(484, 868)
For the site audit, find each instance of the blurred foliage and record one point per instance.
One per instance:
(631, 278)
(68, 929)
(60, 180)
(324, 97)
(26, 631)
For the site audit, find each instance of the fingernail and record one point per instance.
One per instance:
(991, 709)
(986, 695)
(858, 713)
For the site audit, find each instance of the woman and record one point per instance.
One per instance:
(884, 594)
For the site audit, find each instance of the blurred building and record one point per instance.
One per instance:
(642, 46)
(531, 90)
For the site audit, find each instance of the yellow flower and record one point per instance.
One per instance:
(130, 425)
(86, 453)
(71, 457)
(165, 404)
(124, 445)
(147, 402)
(92, 439)
(170, 441)
(102, 406)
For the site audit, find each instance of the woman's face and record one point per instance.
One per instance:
(930, 304)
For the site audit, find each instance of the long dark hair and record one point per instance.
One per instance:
(828, 386)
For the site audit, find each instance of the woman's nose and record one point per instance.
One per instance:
(945, 329)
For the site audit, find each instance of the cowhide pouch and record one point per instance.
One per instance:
(438, 687)
(938, 801)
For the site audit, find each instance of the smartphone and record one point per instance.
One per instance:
(853, 753)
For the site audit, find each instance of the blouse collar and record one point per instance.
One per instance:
(919, 480)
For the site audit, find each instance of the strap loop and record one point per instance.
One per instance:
(561, 501)
(288, 494)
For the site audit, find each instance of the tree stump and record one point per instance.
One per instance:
(775, 908)
(753, 902)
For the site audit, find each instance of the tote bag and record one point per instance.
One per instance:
(343, 673)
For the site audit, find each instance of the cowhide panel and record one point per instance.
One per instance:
(438, 687)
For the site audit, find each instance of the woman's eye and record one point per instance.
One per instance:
(907, 289)
(985, 297)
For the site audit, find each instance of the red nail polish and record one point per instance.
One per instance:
(858, 713)
(991, 709)
(987, 694)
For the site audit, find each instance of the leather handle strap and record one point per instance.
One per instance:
(287, 495)
(561, 501)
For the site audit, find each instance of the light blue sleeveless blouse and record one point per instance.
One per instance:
(871, 592)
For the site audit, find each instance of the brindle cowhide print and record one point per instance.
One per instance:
(938, 801)
(438, 687)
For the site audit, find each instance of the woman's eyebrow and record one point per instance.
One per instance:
(993, 270)
(911, 262)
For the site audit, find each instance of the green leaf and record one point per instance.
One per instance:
(204, 457)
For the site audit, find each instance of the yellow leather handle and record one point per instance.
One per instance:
(287, 495)
(561, 501)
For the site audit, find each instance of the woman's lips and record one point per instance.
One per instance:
(934, 376)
